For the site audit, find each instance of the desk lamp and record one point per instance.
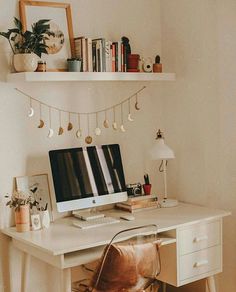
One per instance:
(161, 151)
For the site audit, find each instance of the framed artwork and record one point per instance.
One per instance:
(38, 187)
(61, 38)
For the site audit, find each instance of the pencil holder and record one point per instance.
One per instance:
(147, 189)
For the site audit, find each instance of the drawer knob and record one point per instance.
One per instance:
(200, 238)
(200, 264)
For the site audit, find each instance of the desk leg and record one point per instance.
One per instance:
(25, 272)
(164, 287)
(211, 286)
(65, 280)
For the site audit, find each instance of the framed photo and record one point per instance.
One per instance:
(61, 38)
(38, 187)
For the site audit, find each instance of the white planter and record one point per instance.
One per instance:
(25, 62)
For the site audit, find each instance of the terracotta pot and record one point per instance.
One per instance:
(25, 62)
(22, 219)
(133, 61)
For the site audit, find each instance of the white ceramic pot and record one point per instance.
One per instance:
(25, 62)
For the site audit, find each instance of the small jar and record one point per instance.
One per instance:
(41, 66)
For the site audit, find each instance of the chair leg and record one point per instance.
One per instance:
(211, 286)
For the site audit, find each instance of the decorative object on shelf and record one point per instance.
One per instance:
(74, 65)
(78, 133)
(38, 187)
(42, 66)
(133, 63)
(157, 67)
(35, 222)
(147, 186)
(27, 46)
(20, 202)
(161, 151)
(147, 65)
(60, 41)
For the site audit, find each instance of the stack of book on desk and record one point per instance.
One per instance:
(135, 204)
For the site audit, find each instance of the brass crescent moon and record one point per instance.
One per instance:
(60, 131)
(41, 124)
(70, 126)
(136, 106)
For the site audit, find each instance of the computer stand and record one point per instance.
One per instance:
(88, 214)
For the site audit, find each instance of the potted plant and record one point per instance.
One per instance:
(27, 46)
(21, 203)
(74, 64)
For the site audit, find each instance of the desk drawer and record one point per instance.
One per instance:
(199, 236)
(200, 262)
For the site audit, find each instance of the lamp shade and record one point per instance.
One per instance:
(160, 150)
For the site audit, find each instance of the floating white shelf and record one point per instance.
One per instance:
(88, 76)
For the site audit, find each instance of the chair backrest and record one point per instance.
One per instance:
(130, 262)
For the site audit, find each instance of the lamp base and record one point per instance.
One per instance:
(168, 203)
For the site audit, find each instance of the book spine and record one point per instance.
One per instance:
(89, 54)
(116, 56)
(103, 55)
(122, 58)
(113, 57)
(78, 48)
(138, 206)
(119, 56)
(94, 56)
(84, 56)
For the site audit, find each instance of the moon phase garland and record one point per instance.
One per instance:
(70, 126)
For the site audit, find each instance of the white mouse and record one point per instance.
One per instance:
(127, 217)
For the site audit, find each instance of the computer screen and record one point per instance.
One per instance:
(87, 177)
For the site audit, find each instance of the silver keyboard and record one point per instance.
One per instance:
(95, 222)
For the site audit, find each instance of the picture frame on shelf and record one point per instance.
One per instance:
(38, 187)
(61, 39)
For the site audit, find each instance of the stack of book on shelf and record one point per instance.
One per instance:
(101, 55)
(135, 204)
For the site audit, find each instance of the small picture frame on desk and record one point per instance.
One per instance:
(38, 187)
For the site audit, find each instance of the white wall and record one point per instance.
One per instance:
(198, 43)
(23, 147)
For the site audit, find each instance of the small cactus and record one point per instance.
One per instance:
(157, 59)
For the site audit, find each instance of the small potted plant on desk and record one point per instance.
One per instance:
(21, 203)
(27, 46)
(147, 186)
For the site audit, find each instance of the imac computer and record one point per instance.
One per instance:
(87, 177)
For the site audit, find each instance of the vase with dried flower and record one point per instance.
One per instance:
(21, 203)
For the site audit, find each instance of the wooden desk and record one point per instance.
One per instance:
(192, 251)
